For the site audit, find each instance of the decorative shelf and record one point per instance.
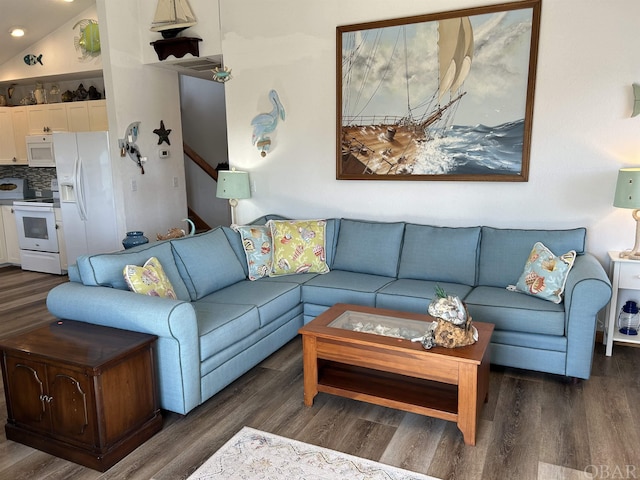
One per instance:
(178, 47)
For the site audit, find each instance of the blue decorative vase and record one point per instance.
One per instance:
(133, 239)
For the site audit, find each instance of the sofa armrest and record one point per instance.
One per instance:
(173, 321)
(587, 291)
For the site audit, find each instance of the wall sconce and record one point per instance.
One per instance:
(128, 145)
(233, 185)
(636, 101)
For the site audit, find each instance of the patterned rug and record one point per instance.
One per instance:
(252, 454)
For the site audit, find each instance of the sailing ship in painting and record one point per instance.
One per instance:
(423, 140)
(172, 17)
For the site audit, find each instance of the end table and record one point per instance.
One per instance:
(625, 282)
(79, 391)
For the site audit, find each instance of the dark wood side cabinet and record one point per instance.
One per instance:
(80, 391)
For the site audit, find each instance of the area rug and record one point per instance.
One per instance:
(252, 454)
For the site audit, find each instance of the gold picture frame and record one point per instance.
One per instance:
(445, 96)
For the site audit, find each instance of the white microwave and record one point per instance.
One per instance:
(40, 151)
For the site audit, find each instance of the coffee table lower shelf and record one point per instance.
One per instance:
(424, 397)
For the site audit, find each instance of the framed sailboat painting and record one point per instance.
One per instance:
(445, 96)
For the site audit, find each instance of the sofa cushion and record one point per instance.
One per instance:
(149, 279)
(256, 244)
(298, 247)
(545, 274)
(368, 247)
(105, 269)
(223, 325)
(272, 299)
(339, 286)
(207, 262)
(440, 253)
(502, 251)
(515, 312)
(415, 295)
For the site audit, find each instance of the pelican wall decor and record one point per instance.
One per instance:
(266, 123)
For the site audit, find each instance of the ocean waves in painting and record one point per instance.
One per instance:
(473, 150)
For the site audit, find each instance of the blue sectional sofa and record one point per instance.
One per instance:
(222, 324)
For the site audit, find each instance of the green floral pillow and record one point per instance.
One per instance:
(149, 279)
(298, 247)
(256, 242)
(545, 274)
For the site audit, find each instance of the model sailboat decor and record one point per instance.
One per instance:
(171, 18)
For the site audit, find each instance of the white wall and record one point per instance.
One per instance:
(588, 58)
(147, 94)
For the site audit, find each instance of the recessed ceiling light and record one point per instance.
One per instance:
(17, 32)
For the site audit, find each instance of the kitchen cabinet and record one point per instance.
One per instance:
(47, 118)
(79, 391)
(10, 235)
(20, 130)
(62, 248)
(8, 154)
(90, 116)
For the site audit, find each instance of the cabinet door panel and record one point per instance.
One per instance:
(70, 405)
(27, 382)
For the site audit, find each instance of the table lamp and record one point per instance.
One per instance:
(233, 185)
(628, 196)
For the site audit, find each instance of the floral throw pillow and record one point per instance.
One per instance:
(256, 242)
(298, 247)
(149, 279)
(545, 274)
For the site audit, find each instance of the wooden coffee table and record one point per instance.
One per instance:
(450, 384)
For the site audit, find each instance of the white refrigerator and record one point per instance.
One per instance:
(85, 180)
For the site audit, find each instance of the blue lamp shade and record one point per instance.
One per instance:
(628, 196)
(628, 188)
(233, 184)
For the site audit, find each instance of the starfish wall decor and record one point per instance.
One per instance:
(163, 134)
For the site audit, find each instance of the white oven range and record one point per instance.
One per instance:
(37, 235)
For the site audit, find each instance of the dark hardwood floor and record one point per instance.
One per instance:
(535, 426)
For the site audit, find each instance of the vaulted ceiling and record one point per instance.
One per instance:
(37, 17)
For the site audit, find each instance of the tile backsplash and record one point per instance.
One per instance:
(38, 178)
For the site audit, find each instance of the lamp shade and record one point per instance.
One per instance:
(233, 184)
(628, 188)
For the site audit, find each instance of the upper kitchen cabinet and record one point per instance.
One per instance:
(47, 118)
(90, 116)
(7, 143)
(13, 128)
(20, 130)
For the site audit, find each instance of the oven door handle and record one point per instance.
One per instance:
(26, 208)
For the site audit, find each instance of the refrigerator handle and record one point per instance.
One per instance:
(79, 189)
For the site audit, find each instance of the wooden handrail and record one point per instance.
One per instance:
(201, 162)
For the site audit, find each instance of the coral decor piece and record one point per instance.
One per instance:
(452, 326)
(266, 123)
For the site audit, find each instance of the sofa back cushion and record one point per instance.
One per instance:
(440, 254)
(503, 252)
(207, 262)
(106, 269)
(368, 247)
